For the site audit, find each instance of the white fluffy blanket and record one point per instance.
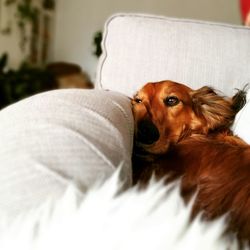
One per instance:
(107, 219)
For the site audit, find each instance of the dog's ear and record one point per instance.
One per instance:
(239, 99)
(216, 110)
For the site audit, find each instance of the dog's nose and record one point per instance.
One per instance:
(147, 132)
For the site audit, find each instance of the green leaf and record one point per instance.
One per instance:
(3, 61)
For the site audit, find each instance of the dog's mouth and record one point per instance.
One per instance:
(138, 149)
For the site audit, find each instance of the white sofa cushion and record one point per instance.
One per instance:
(59, 138)
(142, 48)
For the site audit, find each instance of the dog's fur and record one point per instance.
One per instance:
(186, 133)
(104, 220)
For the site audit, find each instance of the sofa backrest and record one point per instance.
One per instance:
(142, 48)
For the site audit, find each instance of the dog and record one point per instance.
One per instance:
(185, 133)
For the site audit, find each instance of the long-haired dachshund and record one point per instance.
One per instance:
(186, 133)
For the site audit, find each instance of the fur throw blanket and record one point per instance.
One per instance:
(108, 219)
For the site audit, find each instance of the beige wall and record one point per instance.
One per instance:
(77, 20)
(9, 43)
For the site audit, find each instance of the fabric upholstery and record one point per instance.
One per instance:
(143, 48)
(58, 138)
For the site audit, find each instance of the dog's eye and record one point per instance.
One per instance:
(138, 100)
(171, 101)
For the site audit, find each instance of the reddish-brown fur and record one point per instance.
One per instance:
(195, 144)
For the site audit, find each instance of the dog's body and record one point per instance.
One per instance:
(185, 133)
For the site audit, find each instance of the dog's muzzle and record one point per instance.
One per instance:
(147, 132)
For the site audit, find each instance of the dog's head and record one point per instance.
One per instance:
(167, 112)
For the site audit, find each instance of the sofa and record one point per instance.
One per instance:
(78, 138)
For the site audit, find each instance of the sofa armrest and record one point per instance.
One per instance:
(61, 138)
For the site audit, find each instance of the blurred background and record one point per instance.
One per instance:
(49, 44)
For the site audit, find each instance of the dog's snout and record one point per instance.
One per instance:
(147, 132)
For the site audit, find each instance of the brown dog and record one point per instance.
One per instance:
(186, 133)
